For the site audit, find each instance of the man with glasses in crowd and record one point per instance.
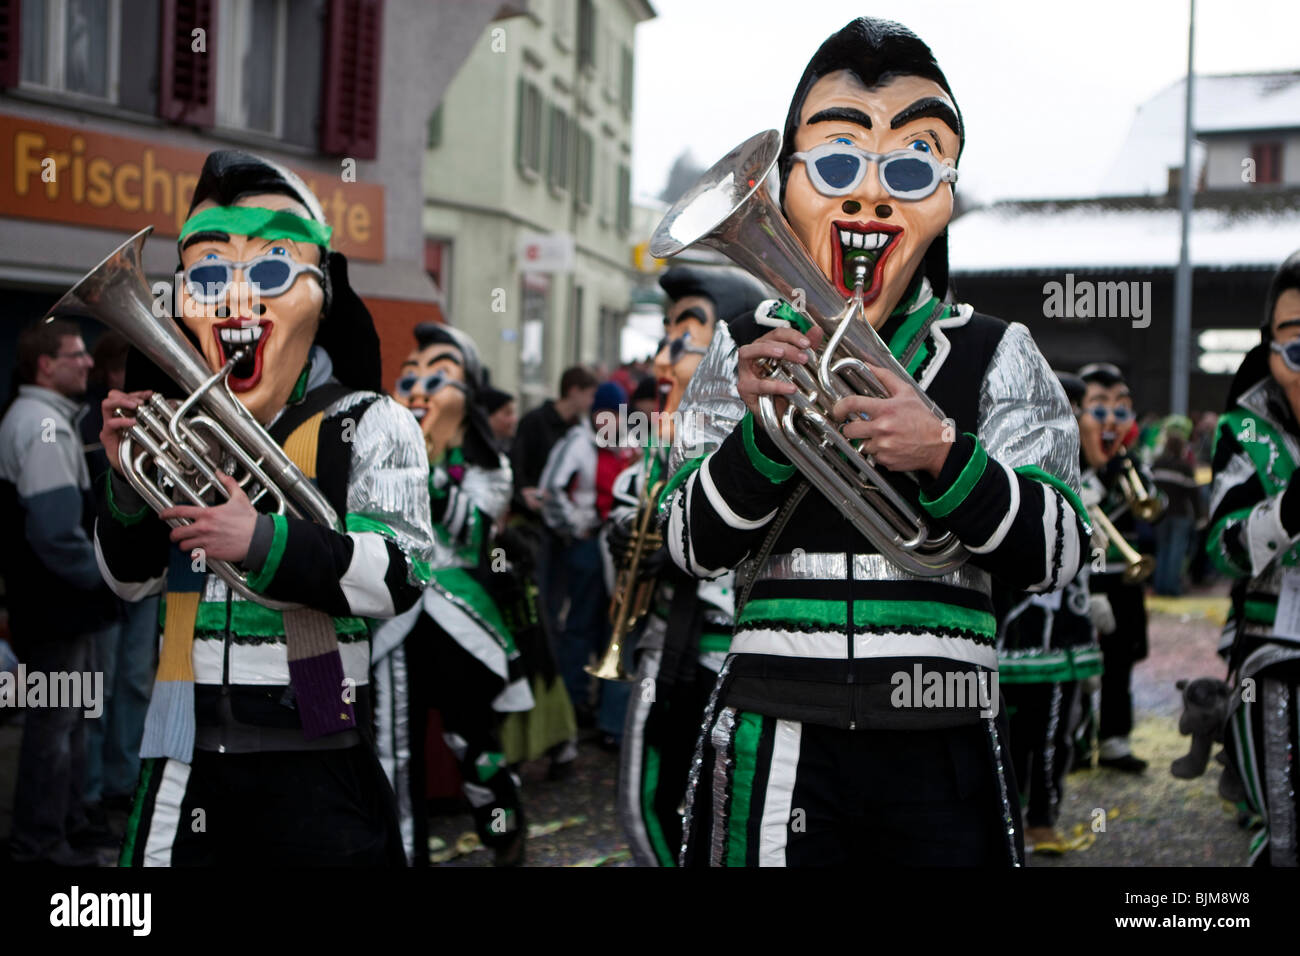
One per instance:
(1106, 427)
(58, 602)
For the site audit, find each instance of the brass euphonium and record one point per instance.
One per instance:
(731, 209)
(1139, 566)
(173, 455)
(632, 593)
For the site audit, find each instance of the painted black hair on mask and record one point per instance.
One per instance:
(478, 447)
(346, 331)
(1255, 364)
(874, 51)
(731, 291)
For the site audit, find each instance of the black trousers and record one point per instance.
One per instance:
(793, 794)
(1041, 744)
(441, 674)
(281, 808)
(1120, 650)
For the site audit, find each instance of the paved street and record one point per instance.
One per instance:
(1151, 819)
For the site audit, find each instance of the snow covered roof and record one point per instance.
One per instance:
(1227, 103)
(1229, 231)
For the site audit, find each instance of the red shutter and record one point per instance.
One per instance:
(350, 89)
(187, 87)
(10, 33)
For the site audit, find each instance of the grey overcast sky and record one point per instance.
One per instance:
(1048, 88)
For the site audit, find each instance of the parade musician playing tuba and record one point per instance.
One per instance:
(815, 751)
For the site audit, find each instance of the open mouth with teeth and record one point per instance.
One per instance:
(862, 242)
(235, 336)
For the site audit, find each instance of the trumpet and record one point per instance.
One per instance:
(1143, 504)
(176, 455)
(731, 209)
(1139, 566)
(632, 594)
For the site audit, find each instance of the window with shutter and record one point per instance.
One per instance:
(624, 198)
(350, 101)
(187, 71)
(10, 33)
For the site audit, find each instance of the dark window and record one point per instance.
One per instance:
(560, 151)
(12, 27)
(434, 133)
(137, 72)
(625, 86)
(350, 110)
(624, 221)
(584, 175)
(528, 145)
(586, 34)
(305, 46)
(1268, 163)
(187, 91)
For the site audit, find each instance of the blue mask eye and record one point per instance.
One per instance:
(921, 146)
(279, 251)
(843, 139)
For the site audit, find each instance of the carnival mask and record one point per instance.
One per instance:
(871, 181)
(432, 385)
(251, 286)
(688, 330)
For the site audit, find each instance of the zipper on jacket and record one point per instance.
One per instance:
(226, 712)
(848, 630)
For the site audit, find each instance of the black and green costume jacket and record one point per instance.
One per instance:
(1254, 508)
(830, 622)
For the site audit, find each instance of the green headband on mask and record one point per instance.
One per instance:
(262, 223)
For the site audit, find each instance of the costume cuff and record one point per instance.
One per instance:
(124, 502)
(279, 538)
(259, 547)
(763, 453)
(961, 471)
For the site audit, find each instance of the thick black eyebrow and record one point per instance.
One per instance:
(843, 113)
(208, 236)
(1287, 323)
(927, 106)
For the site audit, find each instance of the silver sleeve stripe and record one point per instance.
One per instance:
(489, 489)
(1013, 508)
(1265, 537)
(390, 474)
(1072, 546)
(1024, 418)
(724, 510)
(1238, 471)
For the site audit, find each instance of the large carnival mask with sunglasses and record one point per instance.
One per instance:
(869, 162)
(871, 181)
(432, 385)
(252, 288)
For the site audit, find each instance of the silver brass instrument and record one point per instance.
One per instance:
(1139, 566)
(173, 456)
(632, 594)
(732, 210)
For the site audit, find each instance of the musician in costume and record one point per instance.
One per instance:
(1255, 539)
(1047, 646)
(810, 752)
(1105, 428)
(453, 650)
(258, 742)
(685, 636)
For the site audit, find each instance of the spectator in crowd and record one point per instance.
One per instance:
(536, 435)
(502, 416)
(1175, 476)
(58, 602)
(577, 488)
(126, 653)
